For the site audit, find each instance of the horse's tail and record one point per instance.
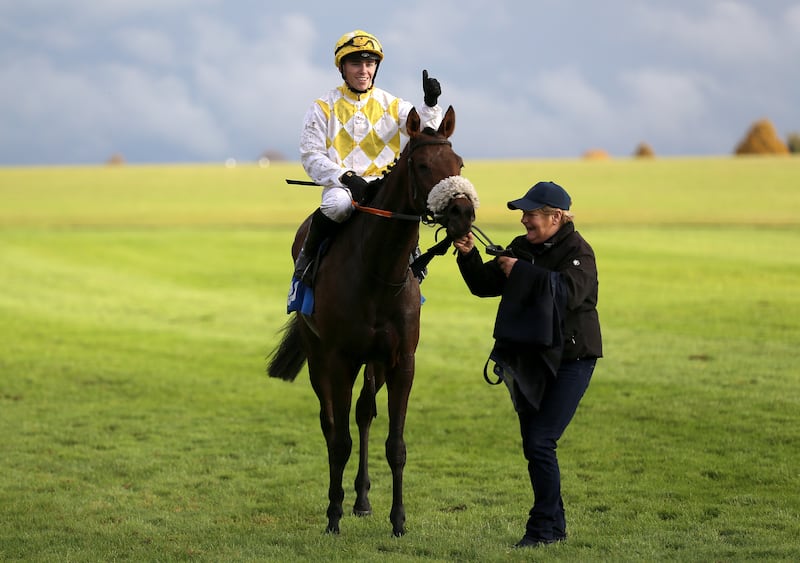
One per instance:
(289, 357)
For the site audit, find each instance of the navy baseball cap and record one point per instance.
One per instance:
(543, 194)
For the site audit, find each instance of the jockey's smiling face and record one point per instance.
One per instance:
(359, 73)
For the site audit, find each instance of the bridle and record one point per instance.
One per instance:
(427, 218)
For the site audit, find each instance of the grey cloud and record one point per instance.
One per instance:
(731, 32)
(146, 45)
(166, 80)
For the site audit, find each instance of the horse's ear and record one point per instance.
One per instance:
(448, 124)
(412, 122)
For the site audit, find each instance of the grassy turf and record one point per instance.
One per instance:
(137, 305)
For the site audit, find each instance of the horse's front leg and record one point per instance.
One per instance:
(398, 386)
(335, 397)
(365, 411)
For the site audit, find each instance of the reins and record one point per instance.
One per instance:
(439, 249)
(385, 213)
(426, 219)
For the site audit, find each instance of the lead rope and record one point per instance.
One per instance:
(483, 238)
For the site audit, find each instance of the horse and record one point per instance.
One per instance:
(367, 313)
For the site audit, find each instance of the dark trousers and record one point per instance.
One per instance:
(541, 431)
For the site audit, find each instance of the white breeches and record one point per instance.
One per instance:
(337, 203)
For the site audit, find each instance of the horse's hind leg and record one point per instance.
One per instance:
(365, 412)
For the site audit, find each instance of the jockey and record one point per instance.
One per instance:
(352, 134)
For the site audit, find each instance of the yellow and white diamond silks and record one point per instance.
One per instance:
(364, 133)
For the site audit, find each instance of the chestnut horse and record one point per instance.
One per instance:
(367, 312)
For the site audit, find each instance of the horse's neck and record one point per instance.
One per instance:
(387, 242)
(394, 194)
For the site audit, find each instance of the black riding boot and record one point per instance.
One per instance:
(321, 227)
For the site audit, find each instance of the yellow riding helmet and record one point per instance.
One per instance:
(357, 41)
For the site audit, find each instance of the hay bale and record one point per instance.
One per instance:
(273, 156)
(596, 154)
(762, 138)
(116, 159)
(644, 150)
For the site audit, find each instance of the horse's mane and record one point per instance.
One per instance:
(374, 186)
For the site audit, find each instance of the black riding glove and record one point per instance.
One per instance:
(357, 185)
(431, 89)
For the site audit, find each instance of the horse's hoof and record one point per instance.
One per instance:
(362, 509)
(332, 530)
(399, 533)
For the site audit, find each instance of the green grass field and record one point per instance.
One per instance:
(138, 304)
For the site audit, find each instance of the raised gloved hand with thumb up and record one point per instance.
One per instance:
(431, 89)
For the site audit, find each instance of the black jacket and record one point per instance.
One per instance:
(572, 259)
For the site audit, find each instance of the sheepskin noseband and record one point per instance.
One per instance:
(447, 190)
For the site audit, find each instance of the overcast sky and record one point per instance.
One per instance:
(206, 80)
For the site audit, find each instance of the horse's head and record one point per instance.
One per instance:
(431, 160)
(453, 202)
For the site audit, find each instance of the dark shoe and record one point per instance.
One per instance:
(528, 541)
